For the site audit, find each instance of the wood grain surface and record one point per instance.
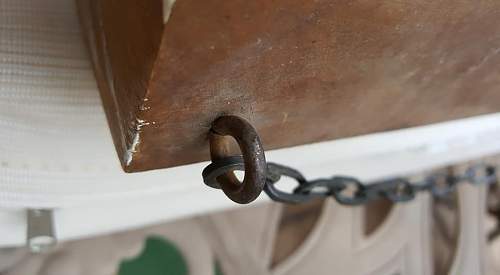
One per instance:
(300, 71)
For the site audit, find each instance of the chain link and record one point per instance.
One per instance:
(352, 191)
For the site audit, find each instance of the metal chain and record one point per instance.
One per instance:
(351, 191)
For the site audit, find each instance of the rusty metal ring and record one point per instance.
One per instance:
(253, 157)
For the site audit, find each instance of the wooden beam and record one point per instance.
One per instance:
(300, 71)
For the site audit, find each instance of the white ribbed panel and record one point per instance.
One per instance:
(55, 146)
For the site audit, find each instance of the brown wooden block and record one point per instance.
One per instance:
(300, 71)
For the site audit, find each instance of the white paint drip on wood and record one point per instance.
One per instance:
(167, 9)
(129, 154)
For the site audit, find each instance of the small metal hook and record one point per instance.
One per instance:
(254, 160)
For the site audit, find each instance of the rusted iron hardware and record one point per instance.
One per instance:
(219, 174)
(345, 190)
(351, 191)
